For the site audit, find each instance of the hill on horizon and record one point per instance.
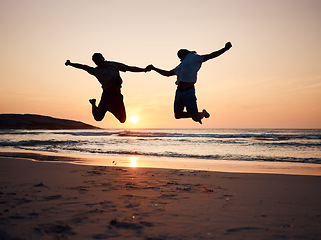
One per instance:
(35, 121)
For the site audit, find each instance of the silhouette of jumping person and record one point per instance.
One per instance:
(186, 73)
(107, 73)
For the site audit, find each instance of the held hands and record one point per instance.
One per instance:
(149, 68)
(67, 63)
(228, 45)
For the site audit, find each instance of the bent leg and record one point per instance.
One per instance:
(197, 117)
(98, 112)
(117, 107)
(179, 106)
(112, 102)
(120, 114)
(186, 99)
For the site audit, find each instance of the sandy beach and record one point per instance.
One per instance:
(44, 200)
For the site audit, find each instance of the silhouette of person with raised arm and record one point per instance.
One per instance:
(186, 73)
(107, 73)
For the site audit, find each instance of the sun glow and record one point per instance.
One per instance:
(133, 161)
(134, 119)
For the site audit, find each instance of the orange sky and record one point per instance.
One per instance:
(271, 78)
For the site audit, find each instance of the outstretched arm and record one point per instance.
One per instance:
(162, 72)
(122, 67)
(77, 65)
(136, 69)
(217, 53)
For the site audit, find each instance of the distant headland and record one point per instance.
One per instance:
(34, 121)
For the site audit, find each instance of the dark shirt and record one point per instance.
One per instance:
(108, 75)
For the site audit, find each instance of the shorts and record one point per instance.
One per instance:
(185, 98)
(111, 101)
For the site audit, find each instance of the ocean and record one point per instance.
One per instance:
(118, 146)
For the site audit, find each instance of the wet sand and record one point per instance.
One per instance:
(42, 200)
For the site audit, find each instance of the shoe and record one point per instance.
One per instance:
(206, 114)
(92, 101)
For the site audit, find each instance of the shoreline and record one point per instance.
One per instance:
(229, 166)
(55, 200)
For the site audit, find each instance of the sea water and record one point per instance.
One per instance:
(174, 145)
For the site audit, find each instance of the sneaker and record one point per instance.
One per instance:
(206, 114)
(92, 101)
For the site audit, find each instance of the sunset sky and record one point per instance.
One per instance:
(271, 77)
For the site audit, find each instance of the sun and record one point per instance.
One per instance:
(134, 119)
(133, 161)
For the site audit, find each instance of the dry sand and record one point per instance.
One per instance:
(41, 200)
